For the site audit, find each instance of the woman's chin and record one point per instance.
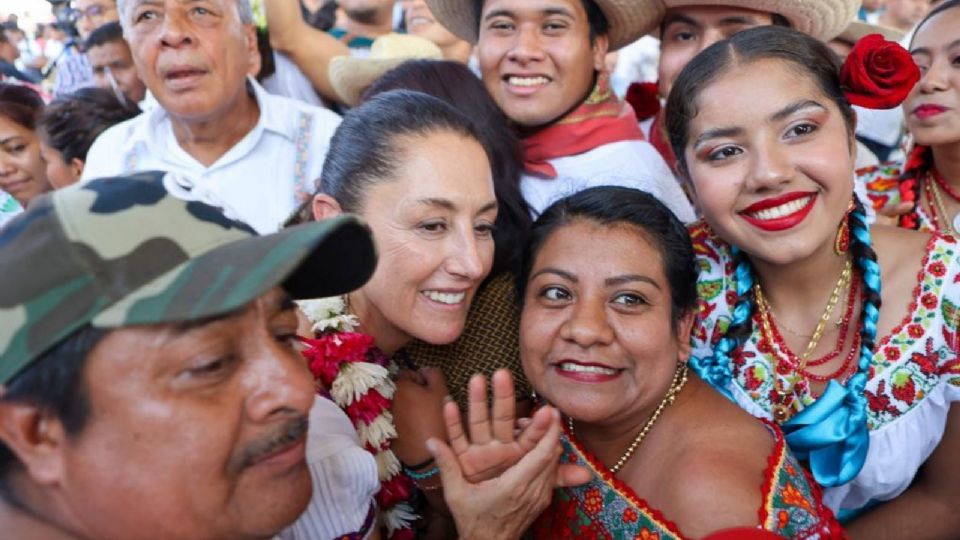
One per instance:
(440, 335)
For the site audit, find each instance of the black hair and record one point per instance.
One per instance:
(615, 205)
(803, 53)
(103, 34)
(364, 149)
(54, 383)
(596, 19)
(71, 123)
(20, 104)
(455, 84)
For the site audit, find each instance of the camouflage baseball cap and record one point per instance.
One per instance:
(125, 251)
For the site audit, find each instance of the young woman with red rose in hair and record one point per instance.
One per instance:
(923, 192)
(792, 280)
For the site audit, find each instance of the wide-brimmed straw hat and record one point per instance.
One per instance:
(350, 76)
(859, 29)
(631, 19)
(627, 19)
(822, 19)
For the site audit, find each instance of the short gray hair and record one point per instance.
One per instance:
(244, 9)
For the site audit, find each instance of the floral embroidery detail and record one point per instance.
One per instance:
(911, 361)
(608, 508)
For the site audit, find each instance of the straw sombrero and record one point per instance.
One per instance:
(860, 29)
(631, 19)
(350, 76)
(822, 19)
(627, 18)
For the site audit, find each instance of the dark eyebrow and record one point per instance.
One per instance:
(556, 271)
(717, 133)
(734, 20)
(498, 13)
(557, 11)
(678, 18)
(629, 278)
(794, 108)
(447, 204)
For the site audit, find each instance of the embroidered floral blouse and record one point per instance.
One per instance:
(882, 183)
(607, 508)
(913, 379)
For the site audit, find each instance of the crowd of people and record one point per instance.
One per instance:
(304, 269)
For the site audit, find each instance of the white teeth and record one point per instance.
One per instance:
(580, 368)
(783, 210)
(445, 298)
(527, 81)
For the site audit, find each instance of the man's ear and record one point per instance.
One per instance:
(76, 167)
(601, 45)
(36, 438)
(325, 207)
(255, 61)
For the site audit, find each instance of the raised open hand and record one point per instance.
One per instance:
(490, 445)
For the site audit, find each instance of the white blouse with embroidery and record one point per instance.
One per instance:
(913, 379)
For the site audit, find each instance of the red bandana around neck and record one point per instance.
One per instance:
(599, 120)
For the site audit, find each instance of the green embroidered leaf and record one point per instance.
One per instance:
(949, 310)
(708, 290)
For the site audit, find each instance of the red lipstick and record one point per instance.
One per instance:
(928, 111)
(780, 223)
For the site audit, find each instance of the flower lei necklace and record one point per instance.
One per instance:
(358, 377)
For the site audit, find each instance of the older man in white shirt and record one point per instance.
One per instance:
(229, 141)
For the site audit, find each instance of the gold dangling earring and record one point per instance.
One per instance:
(842, 243)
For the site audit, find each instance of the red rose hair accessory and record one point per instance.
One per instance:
(644, 98)
(878, 74)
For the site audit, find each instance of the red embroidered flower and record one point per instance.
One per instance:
(904, 389)
(929, 300)
(593, 501)
(915, 331)
(731, 298)
(752, 382)
(629, 516)
(878, 74)
(644, 98)
(647, 534)
(892, 353)
(938, 269)
(927, 364)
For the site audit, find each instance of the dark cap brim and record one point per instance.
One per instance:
(312, 260)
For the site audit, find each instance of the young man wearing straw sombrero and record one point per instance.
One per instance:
(543, 63)
(687, 27)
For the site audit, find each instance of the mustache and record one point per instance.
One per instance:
(286, 435)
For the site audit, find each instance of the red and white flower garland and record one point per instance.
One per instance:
(358, 377)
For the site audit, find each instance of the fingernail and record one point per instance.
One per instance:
(447, 398)
(432, 447)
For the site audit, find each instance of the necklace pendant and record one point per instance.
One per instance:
(780, 414)
(956, 222)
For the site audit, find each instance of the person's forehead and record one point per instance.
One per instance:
(711, 15)
(533, 7)
(83, 4)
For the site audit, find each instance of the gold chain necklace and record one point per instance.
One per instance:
(780, 411)
(945, 222)
(679, 380)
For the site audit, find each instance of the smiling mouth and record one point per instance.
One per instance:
(781, 211)
(450, 299)
(574, 367)
(526, 82)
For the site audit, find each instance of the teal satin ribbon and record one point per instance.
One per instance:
(831, 435)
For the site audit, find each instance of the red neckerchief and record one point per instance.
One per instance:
(658, 138)
(599, 120)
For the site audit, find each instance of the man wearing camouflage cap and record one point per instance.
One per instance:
(151, 387)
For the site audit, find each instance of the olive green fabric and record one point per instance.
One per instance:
(126, 251)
